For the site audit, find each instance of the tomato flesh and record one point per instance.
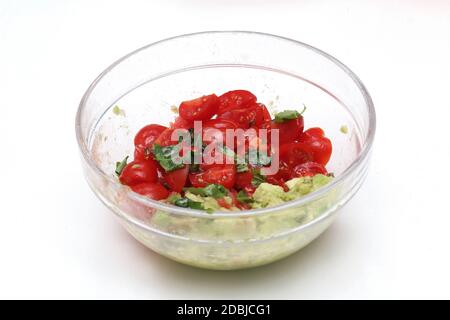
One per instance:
(320, 145)
(288, 131)
(308, 169)
(224, 176)
(176, 179)
(155, 191)
(202, 108)
(235, 99)
(144, 140)
(139, 171)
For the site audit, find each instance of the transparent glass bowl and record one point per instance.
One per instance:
(282, 73)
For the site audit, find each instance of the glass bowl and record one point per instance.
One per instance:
(282, 73)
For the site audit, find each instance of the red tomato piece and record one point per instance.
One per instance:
(176, 179)
(224, 176)
(295, 153)
(220, 124)
(155, 191)
(211, 163)
(139, 171)
(223, 203)
(320, 145)
(181, 123)
(308, 169)
(235, 99)
(265, 113)
(202, 108)
(250, 189)
(290, 130)
(256, 115)
(145, 139)
(283, 174)
(277, 181)
(238, 116)
(165, 138)
(243, 179)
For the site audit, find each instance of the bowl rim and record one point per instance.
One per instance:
(365, 150)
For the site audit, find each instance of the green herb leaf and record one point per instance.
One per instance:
(188, 203)
(166, 155)
(120, 165)
(216, 191)
(241, 167)
(258, 178)
(286, 115)
(242, 196)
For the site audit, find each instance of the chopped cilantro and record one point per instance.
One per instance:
(258, 178)
(166, 155)
(287, 115)
(212, 190)
(188, 203)
(242, 196)
(120, 165)
(241, 167)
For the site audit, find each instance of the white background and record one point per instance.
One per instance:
(58, 241)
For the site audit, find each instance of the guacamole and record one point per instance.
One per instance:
(265, 195)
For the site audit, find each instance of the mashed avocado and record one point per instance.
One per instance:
(267, 195)
(248, 227)
(209, 203)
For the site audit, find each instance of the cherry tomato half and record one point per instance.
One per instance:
(153, 190)
(244, 117)
(176, 179)
(224, 176)
(243, 179)
(289, 131)
(181, 123)
(202, 108)
(165, 138)
(145, 139)
(139, 171)
(235, 99)
(295, 153)
(308, 169)
(320, 145)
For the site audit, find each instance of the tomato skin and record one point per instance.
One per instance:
(181, 123)
(239, 116)
(243, 179)
(220, 124)
(283, 174)
(139, 171)
(145, 139)
(152, 190)
(202, 108)
(224, 176)
(176, 179)
(295, 153)
(308, 169)
(277, 181)
(265, 113)
(321, 146)
(289, 131)
(235, 99)
(148, 134)
(165, 138)
(256, 115)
